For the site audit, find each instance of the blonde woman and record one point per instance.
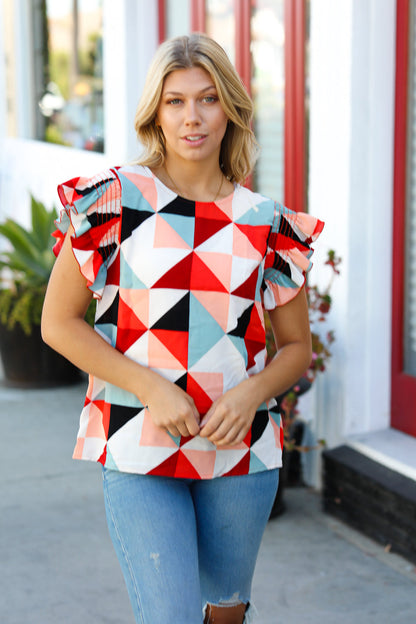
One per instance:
(182, 260)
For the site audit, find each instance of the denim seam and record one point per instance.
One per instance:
(126, 557)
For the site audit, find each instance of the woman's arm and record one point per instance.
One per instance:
(230, 417)
(65, 330)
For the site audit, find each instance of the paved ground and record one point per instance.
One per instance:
(57, 563)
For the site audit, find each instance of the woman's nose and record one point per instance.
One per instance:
(192, 112)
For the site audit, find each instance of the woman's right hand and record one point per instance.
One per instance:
(171, 408)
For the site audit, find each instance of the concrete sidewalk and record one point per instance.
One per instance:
(58, 565)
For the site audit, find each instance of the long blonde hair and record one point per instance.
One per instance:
(239, 147)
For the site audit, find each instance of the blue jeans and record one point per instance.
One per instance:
(183, 543)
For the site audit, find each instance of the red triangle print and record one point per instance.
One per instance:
(167, 467)
(247, 290)
(205, 228)
(129, 328)
(255, 330)
(220, 264)
(178, 276)
(247, 439)
(256, 234)
(184, 468)
(176, 342)
(185, 439)
(208, 221)
(253, 347)
(202, 278)
(103, 456)
(243, 467)
(113, 271)
(202, 400)
(210, 211)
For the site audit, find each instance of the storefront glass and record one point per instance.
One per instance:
(69, 71)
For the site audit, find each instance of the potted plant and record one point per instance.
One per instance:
(24, 272)
(319, 305)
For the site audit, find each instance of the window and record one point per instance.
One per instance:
(68, 67)
(268, 92)
(174, 17)
(220, 24)
(404, 241)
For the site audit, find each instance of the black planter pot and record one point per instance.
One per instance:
(29, 363)
(291, 471)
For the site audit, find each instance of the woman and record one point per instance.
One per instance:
(179, 410)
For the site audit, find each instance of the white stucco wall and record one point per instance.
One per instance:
(351, 179)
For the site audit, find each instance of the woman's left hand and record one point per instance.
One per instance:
(229, 418)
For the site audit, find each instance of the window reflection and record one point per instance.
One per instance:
(71, 102)
(220, 24)
(268, 87)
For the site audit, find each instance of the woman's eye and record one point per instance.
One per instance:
(210, 99)
(174, 101)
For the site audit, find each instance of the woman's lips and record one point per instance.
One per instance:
(194, 139)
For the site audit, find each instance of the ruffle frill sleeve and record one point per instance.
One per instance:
(93, 207)
(288, 255)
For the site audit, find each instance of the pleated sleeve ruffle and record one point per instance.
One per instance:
(93, 207)
(288, 255)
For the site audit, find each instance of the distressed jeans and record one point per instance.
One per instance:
(184, 543)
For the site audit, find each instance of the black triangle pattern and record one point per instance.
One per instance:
(177, 318)
(131, 220)
(111, 313)
(180, 206)
(106, 252)
(286, 230)
(119, 416)
(242, 323)
(182, 381)
(260, 423)
(99, 218)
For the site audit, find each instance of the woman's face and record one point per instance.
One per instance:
(191, 116)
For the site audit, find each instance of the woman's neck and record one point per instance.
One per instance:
(194, 181)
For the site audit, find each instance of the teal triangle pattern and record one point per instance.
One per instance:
(255, 464)
(128, 279)
(240, 346)
(131, 199)
(184, 226)
(109, 330)
(204, 331)
(110, 464)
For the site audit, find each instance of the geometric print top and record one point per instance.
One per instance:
(181, 287)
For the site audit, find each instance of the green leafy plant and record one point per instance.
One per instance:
(319, 305)
(25, 269)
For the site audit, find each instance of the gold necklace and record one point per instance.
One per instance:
(175, 186)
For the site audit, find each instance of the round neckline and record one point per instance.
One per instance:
(192, 201)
